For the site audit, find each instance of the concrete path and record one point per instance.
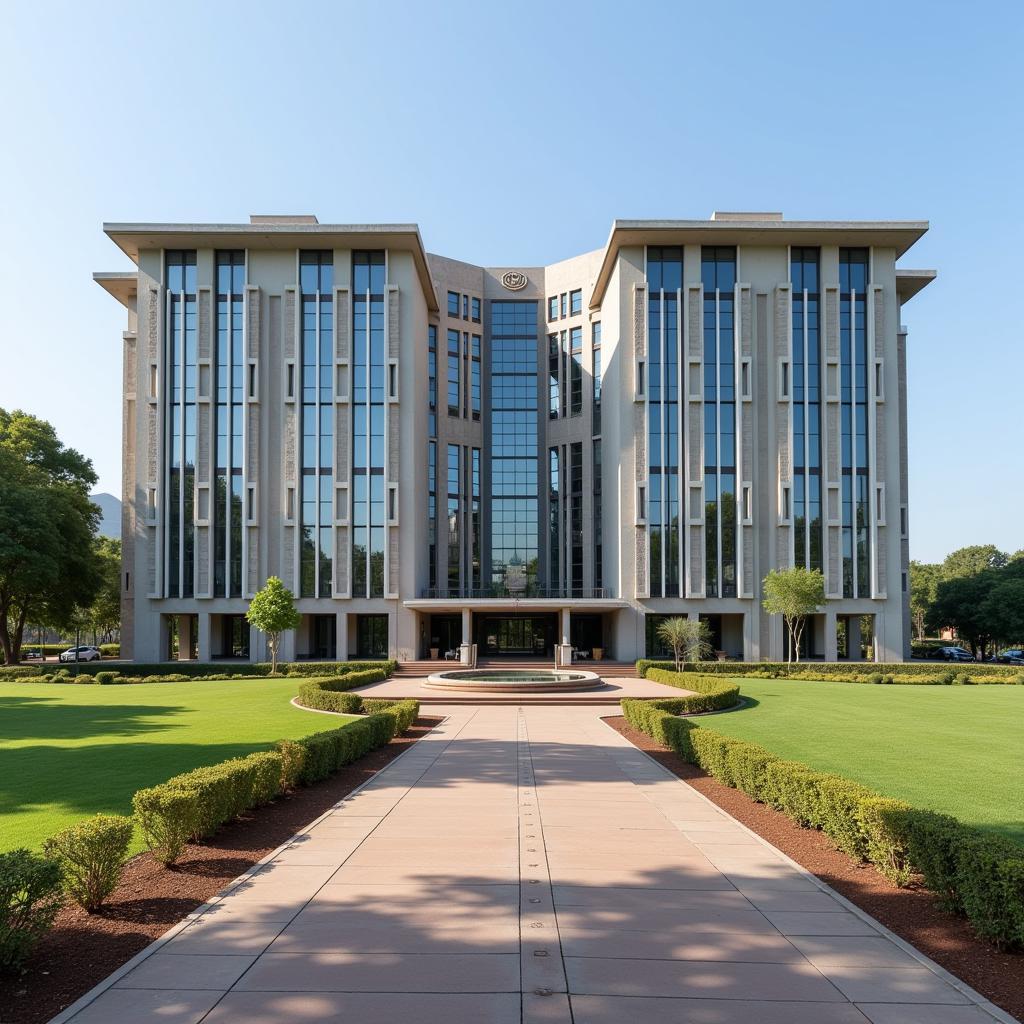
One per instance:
(529, 865)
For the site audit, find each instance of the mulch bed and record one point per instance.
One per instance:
(82, 949)
(911, 913)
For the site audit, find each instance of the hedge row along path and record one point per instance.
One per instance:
(529, 864)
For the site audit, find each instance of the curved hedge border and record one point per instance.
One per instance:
(973, 873)
(711, 694)
(179, 671)
(328, 693)
(900, 673)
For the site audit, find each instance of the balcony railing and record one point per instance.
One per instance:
(527, 593)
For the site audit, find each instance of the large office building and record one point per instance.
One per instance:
(434, 454)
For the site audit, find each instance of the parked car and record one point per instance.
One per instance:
(85, 653)
(955, 654)
(1011, 657)
(32, 654)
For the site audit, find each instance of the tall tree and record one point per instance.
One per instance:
(794, 594)
(272, 611)
(924, 580)
(104, 614)
(971, 560)
(48, 564)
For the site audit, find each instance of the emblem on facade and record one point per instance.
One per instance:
(513, 280)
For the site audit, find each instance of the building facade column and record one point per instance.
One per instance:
(205, 651)
(466, 653)
(341, 637)
(563, 650)
(831, 648)
(853, 637)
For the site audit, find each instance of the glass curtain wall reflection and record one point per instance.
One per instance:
(664, 283)
(718, 276)
(316, 285)
(180, 269)
(432, 456)
(369, 272)
(804, 277)
(229, 410)
(454, 526)
(514, 456)
(853, 393)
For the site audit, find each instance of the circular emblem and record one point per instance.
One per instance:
(513, 280)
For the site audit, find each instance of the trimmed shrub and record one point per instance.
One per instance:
(405, 712)
(792, 788)
(748, 767)
(104, 678)
(8, 672)
(293, 758)
(91, 856)
(990, 883)
(110, 650)
(933, 842)
(168, 818)
(337, 668)
(710, 694)
(30, 896)
(320, 695)
(838, 817)
(885, 846)
(326, 752)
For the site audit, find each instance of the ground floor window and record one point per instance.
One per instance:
(234, 636)
(522, 635)
(323, 637)
(371, 636)
(655, 647)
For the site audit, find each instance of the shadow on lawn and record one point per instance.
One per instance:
(51, 718)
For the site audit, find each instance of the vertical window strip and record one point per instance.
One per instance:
(576, 517)
(597, 519)
(595, 373)
(432, 514)
(454, 541)
(554, 514)
(576, 371)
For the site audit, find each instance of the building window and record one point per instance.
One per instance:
(576, 517)
(664, 281)
(596, 516)
(554, 363)
(476, 559)
(554, 519)
(804, 276)
(595, 374)
(432, 514)
(576, 370)
(453, 304)
(371, 636)
(316, 285)
(368, 506)
(475, 307)
(454, 373)
(853, 395)
(718, 276)
(514, 454)
(454, 529)
(576, 302)
(474, 370)
(431, 381)
(562, 304)
(180, 359)
(228, 414)
(465, 307)
(553, 307)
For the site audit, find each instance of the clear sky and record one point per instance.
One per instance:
(515, 133)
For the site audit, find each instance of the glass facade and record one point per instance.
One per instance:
(180, 356)
(807, 525)
(474, 371)
(595, 373)
(514, 456)
(229, 411)
(369, 272)
(316, 284)
(554, 520)
(554, 362)
(454, 568)
(575, 371)
(432, 513)
(454, 373)
(664, 281)
(475, 533)
(597, 515)
(576, 518)
(718, 276)
(853, 393)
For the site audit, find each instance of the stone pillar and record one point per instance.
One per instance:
(184, 638)
(830, 649)
(341, 637)
(466, 647)
(563, 651)
(205, 648)
(853, 637)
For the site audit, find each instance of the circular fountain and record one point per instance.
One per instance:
(497, 680)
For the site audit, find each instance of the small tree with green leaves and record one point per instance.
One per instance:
(689, 639)
(794, 594)
(272, 611)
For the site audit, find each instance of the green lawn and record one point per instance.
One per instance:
(67, 751)
(957, 749)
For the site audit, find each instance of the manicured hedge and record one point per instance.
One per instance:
(711, 694)
(179, 671)
(336, 668)
(973, 873)
(900, 673)
(30, 896)
(315, 757)
(328, 694)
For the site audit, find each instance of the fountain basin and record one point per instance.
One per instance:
(496, 680)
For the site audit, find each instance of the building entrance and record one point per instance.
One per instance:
(530, 636)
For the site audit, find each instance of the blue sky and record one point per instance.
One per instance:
(515, 133)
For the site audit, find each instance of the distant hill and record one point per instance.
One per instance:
(111, 508)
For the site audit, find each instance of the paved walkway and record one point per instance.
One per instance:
(529, 865)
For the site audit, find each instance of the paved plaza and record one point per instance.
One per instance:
(528, 864)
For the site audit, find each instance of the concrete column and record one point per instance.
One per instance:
(563, 651)
(184, 638)
(341, 639)
(565, 624)
(205, 648)
(287, 651)
(853, 637)
(831, 647)
(466, 647)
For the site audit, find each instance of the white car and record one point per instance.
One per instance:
(85, 653)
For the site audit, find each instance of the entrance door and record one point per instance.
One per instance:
(530, 636)
(325, 637)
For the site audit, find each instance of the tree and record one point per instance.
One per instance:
(794, 594)
(1003, 610)
(959, 604)
(924, 580)
(690, 639)
(272, 611)
(48, 564)
(971, 560)
(104, 614)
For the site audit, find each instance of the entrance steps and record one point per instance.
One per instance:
(421, 669)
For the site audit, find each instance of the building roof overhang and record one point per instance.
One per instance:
(510, 604)
(122, 284)
(898, 234)
(131, 238)
(910, 282)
